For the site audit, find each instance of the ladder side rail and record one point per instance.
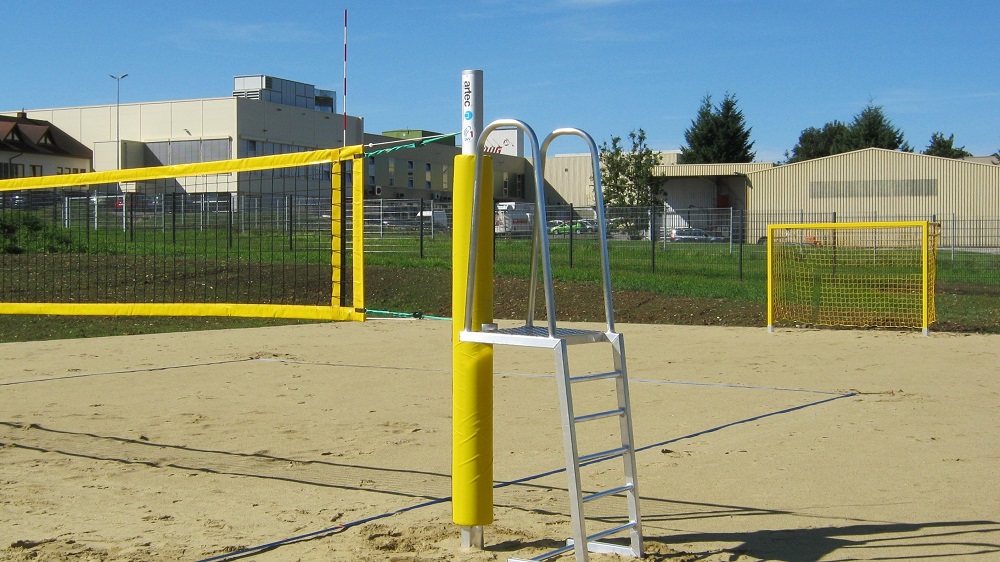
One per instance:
(602, 228)
(533, 275)
(574, 487)
(628, 440)
(543, 238)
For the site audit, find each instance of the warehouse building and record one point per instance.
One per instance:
(267, 115)
(878, 184)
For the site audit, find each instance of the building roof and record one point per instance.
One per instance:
(879, 155)
(697, 170)
(34, 136)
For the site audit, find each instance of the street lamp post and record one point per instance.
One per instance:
(118, 142)
(118, 118)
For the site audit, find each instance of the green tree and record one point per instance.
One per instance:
(945, 147)
(870, 129)
(627, 176)
(718, 134)
(816, 143)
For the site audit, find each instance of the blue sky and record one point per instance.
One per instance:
(606, 66)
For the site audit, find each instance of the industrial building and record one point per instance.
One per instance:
(268, 115)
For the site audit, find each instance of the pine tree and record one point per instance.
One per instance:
(945, 147)
(718, 134)
(870, 129)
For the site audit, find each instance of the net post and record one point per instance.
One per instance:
(925, 298)
(358, 232)
(472, 363)
(770, 281)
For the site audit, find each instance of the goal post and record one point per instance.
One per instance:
(267, 236)
(858, 274)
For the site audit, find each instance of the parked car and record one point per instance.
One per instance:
(692, 235)
(564, 228)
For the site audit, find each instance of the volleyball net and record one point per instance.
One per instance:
(269, 236)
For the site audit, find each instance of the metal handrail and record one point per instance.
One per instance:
(602, 226)
(540, 238)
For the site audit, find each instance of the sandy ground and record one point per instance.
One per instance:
(799, 445)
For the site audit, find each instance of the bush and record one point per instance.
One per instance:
(26, 232)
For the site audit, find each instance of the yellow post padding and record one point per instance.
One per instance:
(472, 363)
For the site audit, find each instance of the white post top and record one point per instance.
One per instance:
(472, 109)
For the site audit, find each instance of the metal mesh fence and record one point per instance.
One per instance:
(712, 243)
(195, 239)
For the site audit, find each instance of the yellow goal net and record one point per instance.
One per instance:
(862, 274)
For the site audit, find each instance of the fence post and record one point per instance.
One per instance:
(173, 217)
(652, 236)
(420, 217)
(289, 221)
(954, 235)
(730, 231)
(742, 236)
(230, 219)
(570, 205)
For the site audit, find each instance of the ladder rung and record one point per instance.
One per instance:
(570, 545)
(596, 377)
(611, 492)
(609, 532)
(603, 455)
(600, 415)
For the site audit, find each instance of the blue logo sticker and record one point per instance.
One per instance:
(468, 116)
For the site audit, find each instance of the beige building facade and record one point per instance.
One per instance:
(875, 184)
(879, 184)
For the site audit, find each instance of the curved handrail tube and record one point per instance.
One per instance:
(540, 235)
(476, 202)
(602, 227)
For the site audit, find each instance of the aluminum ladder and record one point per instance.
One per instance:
(558, 339)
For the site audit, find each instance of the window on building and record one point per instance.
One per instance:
(9, 170)
(167, 153)
(36, 170)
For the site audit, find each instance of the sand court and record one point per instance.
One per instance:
(333, 442)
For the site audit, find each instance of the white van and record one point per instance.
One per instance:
(435, 218)
(513, 219)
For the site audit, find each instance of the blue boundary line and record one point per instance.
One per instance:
(339, 528)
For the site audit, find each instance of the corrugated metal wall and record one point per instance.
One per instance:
(879, 184)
